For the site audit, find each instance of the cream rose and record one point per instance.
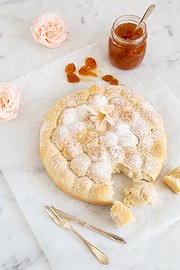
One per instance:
(9, 101)
(49, 30)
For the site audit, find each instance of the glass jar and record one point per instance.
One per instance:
(125, 52)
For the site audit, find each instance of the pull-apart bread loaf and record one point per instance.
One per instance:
(96, 132)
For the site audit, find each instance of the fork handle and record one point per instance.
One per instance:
(102, 258)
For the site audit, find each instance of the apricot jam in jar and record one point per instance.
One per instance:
(127, 49)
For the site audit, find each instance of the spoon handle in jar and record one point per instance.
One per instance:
(145, 16)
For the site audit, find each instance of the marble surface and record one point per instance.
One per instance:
(19, 55)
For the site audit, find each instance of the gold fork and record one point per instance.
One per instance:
(84, 224)
(64, 223)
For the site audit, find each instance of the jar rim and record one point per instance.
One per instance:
(129, 18)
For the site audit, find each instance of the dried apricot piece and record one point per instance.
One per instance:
(110, 79)
(86, 71)
(91, 62)
(72, 78)
(107, 78)
(70, 68)
(114, 81)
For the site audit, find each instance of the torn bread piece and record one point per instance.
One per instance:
(121, 214)
(172, 180)
(140, 193)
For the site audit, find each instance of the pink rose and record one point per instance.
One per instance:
(9, 101)
(49, 30)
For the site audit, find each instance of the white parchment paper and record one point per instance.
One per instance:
(21, 165)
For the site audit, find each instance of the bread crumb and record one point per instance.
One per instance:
(172, 180)
(121, 214)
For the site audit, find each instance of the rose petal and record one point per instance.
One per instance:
(9, 101)
(49, 30)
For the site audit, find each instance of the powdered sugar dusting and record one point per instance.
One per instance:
(46, 127)
(121, 128)
(84, 182)
(128, 140)
(61, 136)
(58, 163)
(117, 154)
(83, 111)
(124, 135)
(110, 139)
(80, 164)
(123, 141)
(133, 160)
(76, 127)
(69, 116)
(98, 101)
(139, 126)
(150, 163)
(100, 171)
(147, 106)
(72, 150)
(119, 102)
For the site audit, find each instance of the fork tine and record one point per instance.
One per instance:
(55, 214)
(49, 211)
(52, 215)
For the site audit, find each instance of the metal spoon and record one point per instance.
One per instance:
(145, 16)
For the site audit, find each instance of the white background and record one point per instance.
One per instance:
(86, 20)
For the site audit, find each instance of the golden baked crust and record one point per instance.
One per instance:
(121, 214)
(80, 159)
(172, 180)
(140, 193)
